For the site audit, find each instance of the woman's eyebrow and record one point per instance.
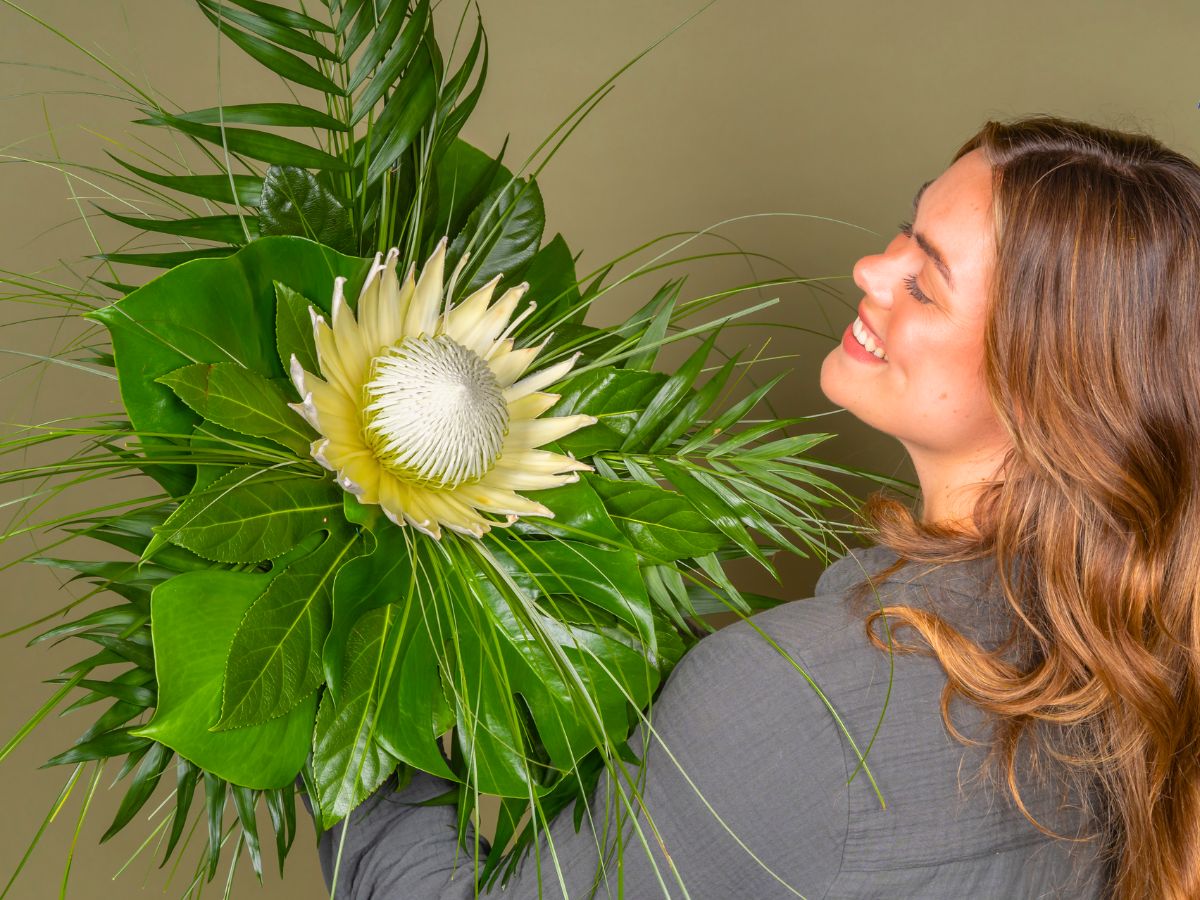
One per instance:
(923, 242)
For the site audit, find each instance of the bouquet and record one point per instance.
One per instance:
(410, 511)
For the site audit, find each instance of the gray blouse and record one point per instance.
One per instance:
(746, 777)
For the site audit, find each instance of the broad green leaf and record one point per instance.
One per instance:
(506, 645)
(658, 522)
(291, 115)
(211, 311)
(195, 618)
(271, 148)
(615, 396)
(250, 514)
(274, 31)
(462, 177)
(275, 661)
(241, 189)
(240, 399)
(606, 578)
(382, 575)
(293, 329)
(578, 513)
(348, 762)
(229, 229)
(554, 286)
(502, 234)
(294, 202)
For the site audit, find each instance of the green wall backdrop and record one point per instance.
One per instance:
(834, 111)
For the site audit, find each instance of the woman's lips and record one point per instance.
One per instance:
(856, 350)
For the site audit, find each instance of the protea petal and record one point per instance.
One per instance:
(421, 412)
(422, 313)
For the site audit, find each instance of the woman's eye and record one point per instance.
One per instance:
(910, 281)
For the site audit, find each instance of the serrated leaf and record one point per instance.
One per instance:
(658, 522)
(242, 400)
(275, 660)
(295, 202)
(293, 329)
(348, 762)
(195, 618)
(250, 514)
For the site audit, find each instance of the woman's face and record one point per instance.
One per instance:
(929, 390)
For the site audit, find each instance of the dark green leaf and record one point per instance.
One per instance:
(245, 801)
(713, 507)
(399, 56)
(154, 763)
(229, 229)
(386, 28)
(272, 148)
(502, 234)
(240, 399)
(650, 341)
(165, 260)
(273, 13)
(659, 523)
(554, 286)
(291, 115)
(195, 618)
(614, 396)
(186, 776)
(240, 189)
(215, 790)
(664, 402)
(409, 109)
(281, 805)
(106, 746)
(294, 202)
(282, 63)
(278, 33)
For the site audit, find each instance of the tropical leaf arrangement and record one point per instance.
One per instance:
(410, 511)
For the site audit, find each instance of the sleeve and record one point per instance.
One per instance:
(742, 795)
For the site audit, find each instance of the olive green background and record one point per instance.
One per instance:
(829, 114)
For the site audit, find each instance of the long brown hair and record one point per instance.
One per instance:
(1091, 356)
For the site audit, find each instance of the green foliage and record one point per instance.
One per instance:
(195, 618)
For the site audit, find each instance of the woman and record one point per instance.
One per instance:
(1028, 338)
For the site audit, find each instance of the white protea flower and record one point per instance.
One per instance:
(425, 412)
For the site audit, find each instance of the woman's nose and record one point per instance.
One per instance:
(878, 274)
